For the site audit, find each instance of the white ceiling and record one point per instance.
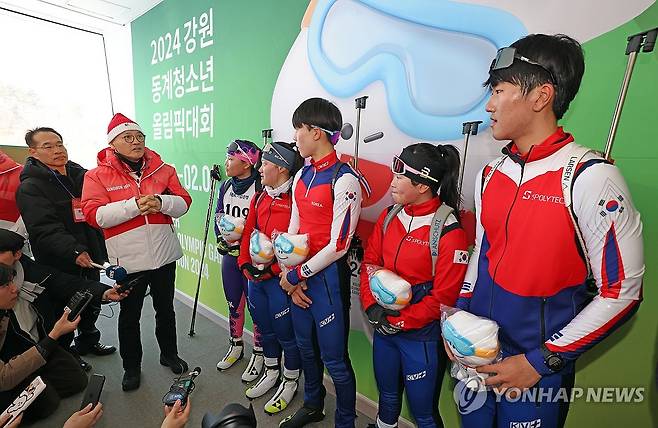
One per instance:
(84, 13)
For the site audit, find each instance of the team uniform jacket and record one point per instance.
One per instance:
(269, 215)
(527, 271)
(404, 249)
(10, 172)
(134, 241)
(330, 222)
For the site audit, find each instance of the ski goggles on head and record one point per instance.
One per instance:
(506, 56)
(399, 167)
(272, 154)
(243, 151)
(333, 135)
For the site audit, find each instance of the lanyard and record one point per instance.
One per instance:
(62, 184)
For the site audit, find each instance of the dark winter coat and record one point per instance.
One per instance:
(44, 200)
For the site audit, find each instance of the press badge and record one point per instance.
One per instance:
(76, 207)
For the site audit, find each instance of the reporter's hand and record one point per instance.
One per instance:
(176, 416)
(85, 418)
(83, 260)
(112, 295)
(64, 326)
(14, 424)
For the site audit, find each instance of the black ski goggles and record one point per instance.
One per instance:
(506, 56)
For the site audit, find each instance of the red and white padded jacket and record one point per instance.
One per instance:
(109, 193)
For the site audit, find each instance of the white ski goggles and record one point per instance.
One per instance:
(399, 167)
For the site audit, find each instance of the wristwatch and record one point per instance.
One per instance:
(553, 360)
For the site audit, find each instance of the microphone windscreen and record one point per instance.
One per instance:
(117, 273)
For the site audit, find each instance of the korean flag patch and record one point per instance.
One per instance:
(461, 257)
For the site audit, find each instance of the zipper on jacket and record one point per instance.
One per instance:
(146, 220)
(543, 321)
(269, 215)
(310, 184)
(509, 213)
(397, 253)
(26, 336)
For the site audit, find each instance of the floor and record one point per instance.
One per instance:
(214, 389)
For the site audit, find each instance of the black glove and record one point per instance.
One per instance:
(377, 318)
(257, 274)
(222, 246)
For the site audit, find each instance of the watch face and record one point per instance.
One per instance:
(554, 362)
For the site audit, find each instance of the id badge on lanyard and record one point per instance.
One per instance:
(76, 207)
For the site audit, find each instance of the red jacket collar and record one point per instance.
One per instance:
(107, 157)
(427, 207)
(550, 145)
(326, 162)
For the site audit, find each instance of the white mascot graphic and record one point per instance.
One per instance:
(422, 64)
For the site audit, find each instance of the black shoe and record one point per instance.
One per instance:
(96, 349)
(175, 363)
(83, 364)
(131, 379)
(302, 417)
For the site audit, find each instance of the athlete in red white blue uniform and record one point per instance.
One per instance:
(406, 344)
(529, 272)
(235, 194)
(268, 303)
(329, 214)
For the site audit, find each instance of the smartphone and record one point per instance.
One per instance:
(24, 399)
(122, 288)
(93, 392)
(78, 303)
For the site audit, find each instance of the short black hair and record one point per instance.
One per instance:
(10, 241)
(560, 54)
(7, 273)
(29, 135)
(318, 112)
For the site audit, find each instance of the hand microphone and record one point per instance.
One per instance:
(114, 272)
(181, 388)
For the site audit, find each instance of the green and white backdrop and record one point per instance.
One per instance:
(207, 72)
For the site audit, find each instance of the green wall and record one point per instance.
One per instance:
(251, 41)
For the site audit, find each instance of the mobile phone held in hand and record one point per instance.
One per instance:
(78, 303)
(93, 392)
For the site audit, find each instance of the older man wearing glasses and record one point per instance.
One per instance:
(133, 196)
(48, 198)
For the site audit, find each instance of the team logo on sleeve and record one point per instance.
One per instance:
(460, 257)
(611, 204)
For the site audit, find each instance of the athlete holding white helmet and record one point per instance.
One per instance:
(405, 241)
